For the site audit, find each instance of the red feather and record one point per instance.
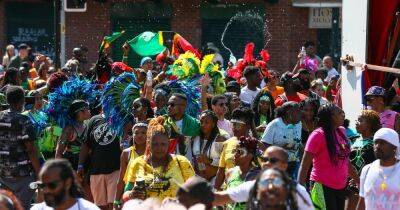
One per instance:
(248, 53)
(265, 55)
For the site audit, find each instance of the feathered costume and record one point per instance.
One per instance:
(118, 96)
(189, 67)
(248, 60)
(188, 88)
(60, 100)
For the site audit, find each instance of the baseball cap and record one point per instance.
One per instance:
(389, 135)
(145, 60)
(375, 91)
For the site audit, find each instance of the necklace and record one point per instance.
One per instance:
(385, 176)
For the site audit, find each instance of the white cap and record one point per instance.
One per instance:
(390, 136)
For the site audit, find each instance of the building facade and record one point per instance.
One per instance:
(289, 24)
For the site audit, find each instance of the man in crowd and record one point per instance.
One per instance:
(101, 142)
(219, 105)
(379, 181)
(182, 125)
(19, 163)
(21, 57)
(328, 65)
(304, 78)
(273, 157)
(253, 78)
(146, 63)
(76, 65)
(60, 188)
(290, 85)
(196, 190)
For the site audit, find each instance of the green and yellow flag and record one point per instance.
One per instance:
(147, 43)
(107, 40)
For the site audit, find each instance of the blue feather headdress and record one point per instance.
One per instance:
(118, 96)
(189, 88)
(60, 100)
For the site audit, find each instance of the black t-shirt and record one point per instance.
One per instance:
(104, 145)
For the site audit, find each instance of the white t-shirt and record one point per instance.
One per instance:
(82, 204)
(247, 96)
(331, 73)
(241, 194)
(226, 126)
(287, 136)
(194, 150)
(179, 124)
(378, 196)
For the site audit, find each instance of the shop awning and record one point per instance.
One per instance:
(317, 3)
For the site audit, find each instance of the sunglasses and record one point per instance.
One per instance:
(241, 151)
(265, 183)
(237, 123)
(173, 104)
(50, 185)
(222, 104)
(271, 160)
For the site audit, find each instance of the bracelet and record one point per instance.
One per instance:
(117, 202)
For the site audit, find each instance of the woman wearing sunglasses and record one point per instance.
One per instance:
(247, 167)
(274, 190)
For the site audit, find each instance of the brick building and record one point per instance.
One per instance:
(198, 21)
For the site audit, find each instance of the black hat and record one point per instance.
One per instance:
(199, 188)
(77, 106)
(23, 46)
(233, 84)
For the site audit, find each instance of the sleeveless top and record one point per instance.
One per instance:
(388, 118)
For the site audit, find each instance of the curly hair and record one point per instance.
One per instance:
(372, 118)
(155, 128)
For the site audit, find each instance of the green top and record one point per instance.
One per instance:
(235, 180)
(190, 126)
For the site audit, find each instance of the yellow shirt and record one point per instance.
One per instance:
(227, 159)
(132, 156)
(165, 185)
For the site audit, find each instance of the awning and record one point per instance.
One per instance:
(317, 3)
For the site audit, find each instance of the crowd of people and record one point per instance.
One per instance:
(182, 131)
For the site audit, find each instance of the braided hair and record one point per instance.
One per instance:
(290, 186)
(251, 146)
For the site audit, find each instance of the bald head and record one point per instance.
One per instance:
(327, 62)
(275, 157)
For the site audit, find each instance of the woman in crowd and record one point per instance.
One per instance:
(242, 119)
(274, 190)
(73, 135)
(271, 84)
(285, 131)
(317, 86)
(157, 173)
(128, 156)
(160, 99)
(362, 150)
(10, 52)
(309, 109)
(377, 100)
(233, 101)
(263, 108)
(201, 151)
(247, 167)
(142, 111)
(328, 150)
